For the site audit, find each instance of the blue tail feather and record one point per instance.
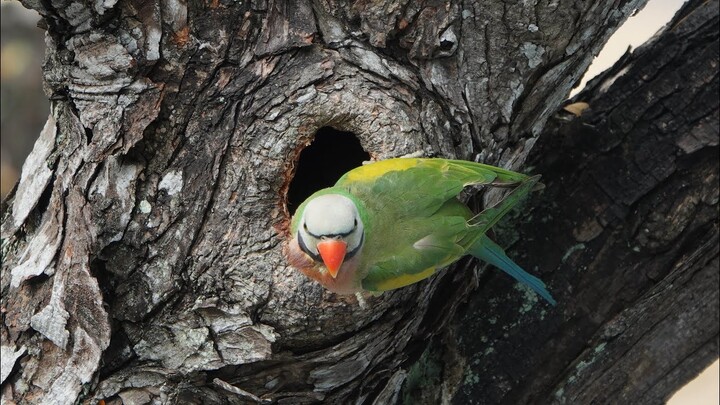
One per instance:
(489, 251)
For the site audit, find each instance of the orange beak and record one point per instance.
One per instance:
(332, 252)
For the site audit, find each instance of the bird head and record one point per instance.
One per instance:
(331, 230)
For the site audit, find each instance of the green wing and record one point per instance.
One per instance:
(439, 241)
(421, 246)
(418, 187)
(490, 216)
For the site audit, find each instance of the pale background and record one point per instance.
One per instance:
(25, 108)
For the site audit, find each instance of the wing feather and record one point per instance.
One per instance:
(408, 260)
(418, 187)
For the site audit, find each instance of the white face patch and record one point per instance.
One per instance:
(331, 215)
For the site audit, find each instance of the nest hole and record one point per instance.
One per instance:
(330, 155)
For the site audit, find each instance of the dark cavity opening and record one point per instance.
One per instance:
(331, 154)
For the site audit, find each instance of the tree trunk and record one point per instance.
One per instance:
(625, 234)
(143, 246)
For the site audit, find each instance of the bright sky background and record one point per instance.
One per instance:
(636, 30)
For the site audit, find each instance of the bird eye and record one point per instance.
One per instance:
(355, 223)
(305, 226)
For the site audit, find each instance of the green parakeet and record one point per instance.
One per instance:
(395, 222)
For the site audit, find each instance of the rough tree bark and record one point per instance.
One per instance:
(142, 248)
(625, 234)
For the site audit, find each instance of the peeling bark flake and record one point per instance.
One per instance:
(8, 357)
(36, 173)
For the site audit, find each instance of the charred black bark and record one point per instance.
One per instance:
(625, 234)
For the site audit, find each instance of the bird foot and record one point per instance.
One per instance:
(361, 300)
